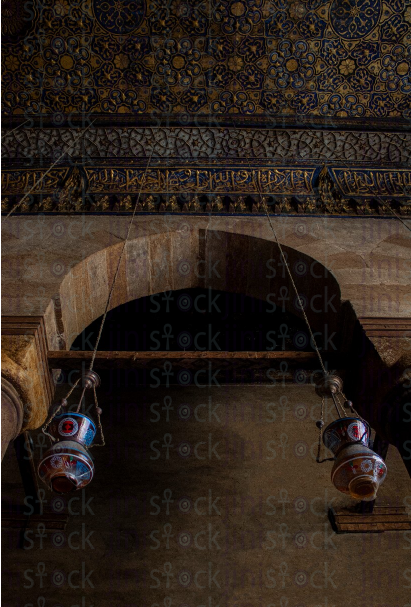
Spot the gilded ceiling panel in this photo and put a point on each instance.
(340, 59)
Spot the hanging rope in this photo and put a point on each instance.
(48, 170)
(264, 203)
(100, 427)
(15, 129)
(118, 264)
(337, 405)
(351, 406)
(387, 206)
(320, 426)
(314, 343)
(63, 403)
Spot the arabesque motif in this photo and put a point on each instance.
(338, 59)
(210, 143)
(353, 19)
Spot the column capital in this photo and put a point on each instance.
(25, 367)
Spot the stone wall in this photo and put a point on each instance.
(209, 497)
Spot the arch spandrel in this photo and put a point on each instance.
(375, 285)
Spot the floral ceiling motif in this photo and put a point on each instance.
(278, 58)
(354, 19)
(120, 16)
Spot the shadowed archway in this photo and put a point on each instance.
(234, 263)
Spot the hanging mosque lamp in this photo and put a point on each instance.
(357, 471)
(67, 465)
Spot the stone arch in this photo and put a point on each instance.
(234, 261)
(216, 259)
(65, 266)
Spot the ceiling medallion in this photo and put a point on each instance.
(354, 19)
(119, 16)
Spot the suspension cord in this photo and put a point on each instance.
(63, 403)
(337, 405)
(387, 206)
(100, 427)
(264, 203)
(352, 408)
(320, 430)
(49, 169)
(16, 128)
(119, 262)
(314, 343)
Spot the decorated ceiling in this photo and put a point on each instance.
(339, 59)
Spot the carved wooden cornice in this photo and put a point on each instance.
(281, 191)
(124, 204)
(278, 145)
(207, 169)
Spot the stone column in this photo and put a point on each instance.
(11, 414)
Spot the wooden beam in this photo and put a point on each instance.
(120, 359)
(188, 367)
